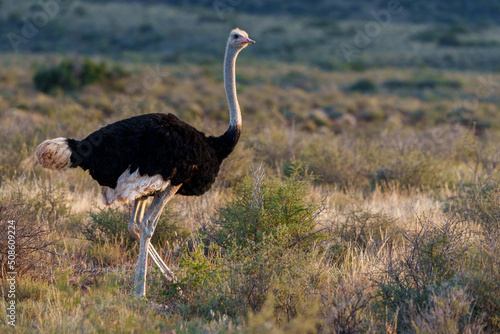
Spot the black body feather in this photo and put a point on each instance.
(155, 144)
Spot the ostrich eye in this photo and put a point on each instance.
(236, 36)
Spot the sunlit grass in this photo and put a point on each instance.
(386, 167)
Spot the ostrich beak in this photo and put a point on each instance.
(246, 40)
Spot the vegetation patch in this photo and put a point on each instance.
(69, 75)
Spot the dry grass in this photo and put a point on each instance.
(384, 176)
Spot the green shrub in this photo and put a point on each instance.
(338, 162)
(264, 208)
(108, 254)
(59, 77)
(107, 225)
(355, 66)
(260, 243)
(413, 168)
(69, 75)
(433, 83)
(426, 83)
(351, 162)
(92, 72)
(110, 225)
(299, 79)
(217, 283)
(363, 86)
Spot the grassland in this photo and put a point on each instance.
(362, 196)
(403, 202)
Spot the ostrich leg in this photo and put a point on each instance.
(133, 228)
(147, 228)
(137, 214)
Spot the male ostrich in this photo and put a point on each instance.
(152, 155)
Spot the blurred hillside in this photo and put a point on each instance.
(479, 12)
(459, 35)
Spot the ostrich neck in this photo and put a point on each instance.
(230, 86)
(226, 143)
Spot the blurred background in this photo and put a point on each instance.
(417, 34)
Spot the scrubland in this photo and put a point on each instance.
(354, 202)
(362, 196)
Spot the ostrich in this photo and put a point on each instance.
(152, 155)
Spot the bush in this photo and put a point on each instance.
(425, 83)
(337, 162)
(92, 72)
(351, 162)
(430, 259)
(362, 228)
(413, 168)
(482, 282)
(110, 225)
(298, 79)
(260, 244)
(449, 311)
(348, 308)
(69, 76)
(38, 210)
(218, 283)
(109, 253)
(477, 205)
(363, 86)
(21, 233)
(60, 77)
(265, 209)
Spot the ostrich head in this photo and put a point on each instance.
(238, 39)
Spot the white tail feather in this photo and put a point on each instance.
(54, 154)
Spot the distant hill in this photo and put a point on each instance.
(331, 35)
(416, 11)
